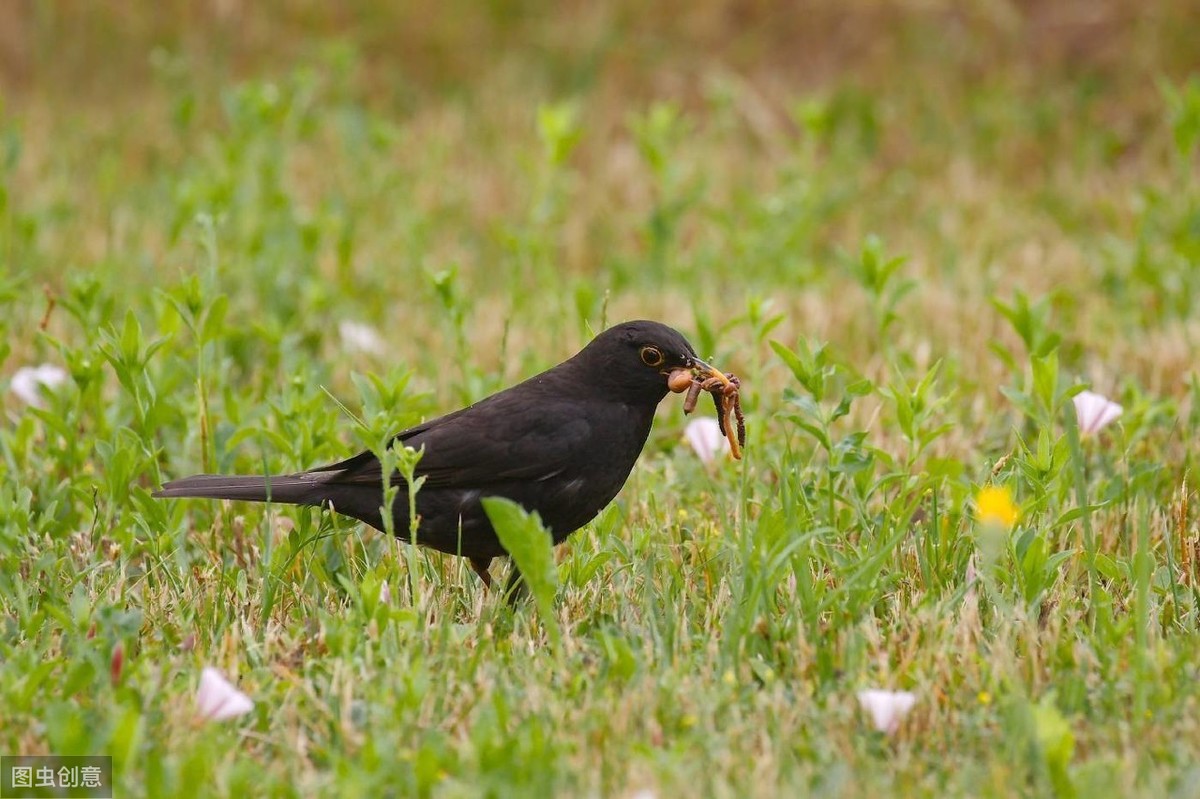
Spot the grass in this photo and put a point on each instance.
(914, 232)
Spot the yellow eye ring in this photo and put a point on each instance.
(652, 356)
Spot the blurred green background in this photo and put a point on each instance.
(742, 148)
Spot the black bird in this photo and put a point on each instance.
(562, 443)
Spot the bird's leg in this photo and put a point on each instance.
(480, 565)
(514, 587)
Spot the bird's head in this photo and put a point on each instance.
(637, 359)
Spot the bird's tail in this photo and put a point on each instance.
(291, 489)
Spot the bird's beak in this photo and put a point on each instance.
(707, 370)
(680, 378)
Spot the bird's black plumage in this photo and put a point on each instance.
(561, 443)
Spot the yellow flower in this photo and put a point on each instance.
(995, 506)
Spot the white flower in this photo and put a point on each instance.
(28, 381)
(358, 337)
(1095, 412)
(217, 699)
(385, 594)
(704, 435)
(887, 708)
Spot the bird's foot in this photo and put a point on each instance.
(480, 565)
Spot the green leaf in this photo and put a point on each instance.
(1057, 744)
(532, 549)
(816, 432)
(214, 319)
(791, 359)
(1045, 377)
(131, 338)
(559, 129)
(1108, 567)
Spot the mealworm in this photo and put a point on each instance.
(689, 402)
(725, 391)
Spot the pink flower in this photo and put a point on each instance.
(385, 594)
(704, 436)
(887, 708)
(217, 699)
(1095, 412)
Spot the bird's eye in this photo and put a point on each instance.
(652, 356)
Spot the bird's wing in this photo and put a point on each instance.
(496, 440)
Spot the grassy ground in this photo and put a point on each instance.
(913, 229)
